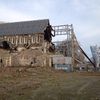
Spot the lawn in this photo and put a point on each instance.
(48, 84)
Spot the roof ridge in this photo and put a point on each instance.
(24, 27)
(24, 21)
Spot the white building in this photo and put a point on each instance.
(96, 55)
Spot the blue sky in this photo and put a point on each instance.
(83, 14)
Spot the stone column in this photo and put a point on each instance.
(11, 39)
(45, 47)
(19, 39)
(45, 62)
(16, 40)
(32, 39)
(50, 61)
(5, 38)
(35, 38)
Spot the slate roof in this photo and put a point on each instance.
(25, 27)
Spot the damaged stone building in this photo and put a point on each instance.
(28, 44)
(26, 38)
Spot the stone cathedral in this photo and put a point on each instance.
(23, 43)
(25, 34)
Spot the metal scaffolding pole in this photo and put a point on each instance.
(69, 46)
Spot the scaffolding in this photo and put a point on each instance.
(69, 47)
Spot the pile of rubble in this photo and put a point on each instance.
(27, 57)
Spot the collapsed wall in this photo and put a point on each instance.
(5, 58)
(28, 57)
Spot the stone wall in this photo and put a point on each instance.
(5, 58)
(22, 39)
(37, 55)
(28, 57)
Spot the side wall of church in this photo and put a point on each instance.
(22, 39)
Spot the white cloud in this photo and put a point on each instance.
(7, 14)
(84, 14)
